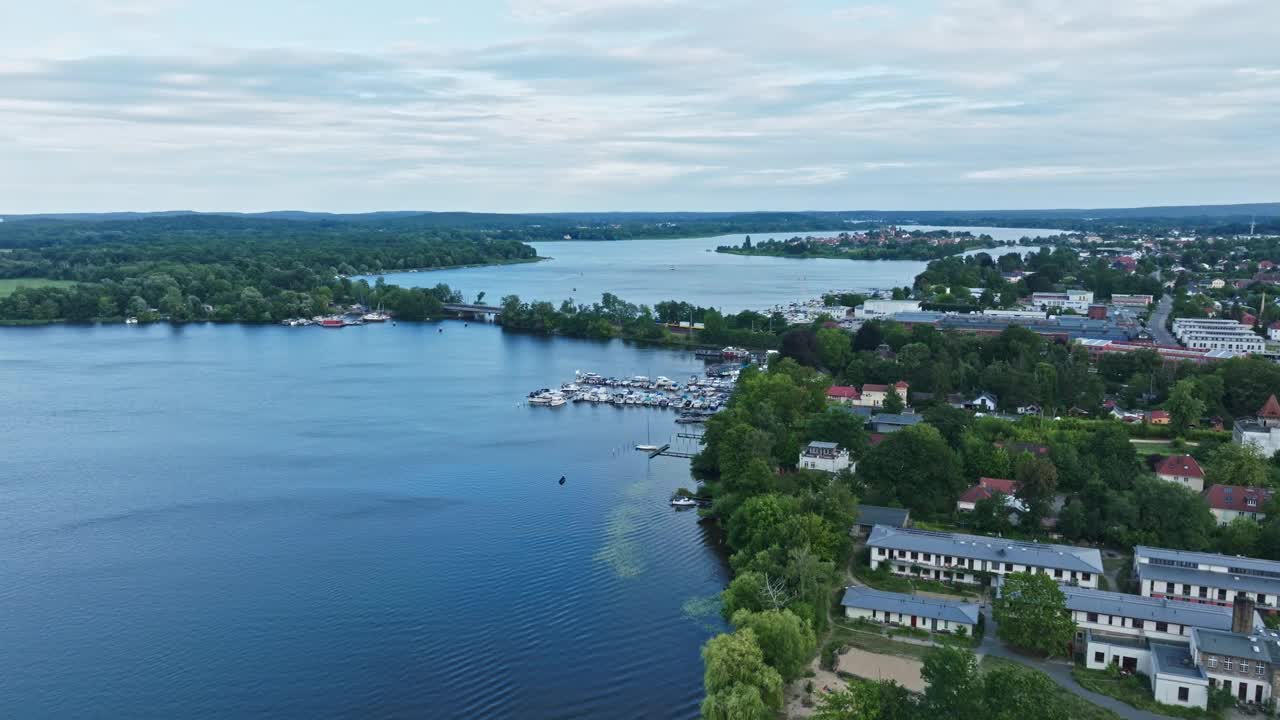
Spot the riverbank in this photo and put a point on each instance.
(868, 254)
(472, 266)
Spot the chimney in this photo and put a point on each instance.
(1242, 614)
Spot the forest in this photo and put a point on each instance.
(224, 269)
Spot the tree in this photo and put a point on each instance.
(737, 702)
(786, 641)
(866, 700)
(1239, 537)
(736, 659)
(1038, 481)
(1232, 464)
(745, 592)
(954, 688)
(1184, 405)
(991, 515)
(833, 349)
(893, 402)
(913, 468)
(950, 421)
(1017, 693)
(1031, 613)
(837, 426)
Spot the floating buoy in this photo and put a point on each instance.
(561, 479)
(441, 329)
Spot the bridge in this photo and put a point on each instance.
(488, 313)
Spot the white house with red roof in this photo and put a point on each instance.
(1273, 330)
(986, 489)
(1181, 470)
(869, 395)
(1228, 502)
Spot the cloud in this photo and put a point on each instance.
(683, 104)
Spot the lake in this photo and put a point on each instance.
(227, 522)
(650, 271)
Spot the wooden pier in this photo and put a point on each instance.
(666, 451)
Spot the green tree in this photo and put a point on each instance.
(893, 401)
(1184, 405)
(1241, 536)
(833, 348)
(787, 641)
(913, 468)
(1038, 481)
(1031, 613)
(745, 593)
(736, 702)
(1016, 693)
(1232, 464)
(866, 700)
(736, 659)
(954, 688)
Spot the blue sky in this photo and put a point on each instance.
(549, 105)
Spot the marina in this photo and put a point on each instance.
(696, 399)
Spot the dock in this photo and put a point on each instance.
(666, 451)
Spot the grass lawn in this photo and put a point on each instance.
(902, 584)
(1135, 690)
(872, 641)
(1077, 708)
(8, 285)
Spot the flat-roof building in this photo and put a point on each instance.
(926, 613)
(1207, 578)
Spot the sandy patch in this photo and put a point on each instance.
(795, 694)
(874, 666)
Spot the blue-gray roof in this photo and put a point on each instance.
(869, 515)
(896, 419)
(1236, 563)
(1208, 578)
(1175, 659)
(1264, 646)
(1176, 612)
(1062, 557)
(865, 598)
(824, 445)
(859, 410)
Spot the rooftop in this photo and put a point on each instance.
(1237, 497)
(1176, 660)
(1231, 563)
(1183, 465)
(1213, 617)
(820, 445)
(897, 419)
(1260, 646)
(1208, 578)
(858, 596)
(869, 515)
(1063, 557)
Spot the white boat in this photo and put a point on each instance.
(683, 502)
(556, 401)
(647, 448)
(131, 321)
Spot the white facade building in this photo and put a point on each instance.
(1206, 577)
(1074, 299)
(920, 612)
(959, 558)
(825, 456)
(882, 308)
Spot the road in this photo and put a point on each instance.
(1158, 318)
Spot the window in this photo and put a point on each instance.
(1222, 594)
(926, 557)
(1244, 666)
(1184, 694)
(1204, 592)
(1213, 661)
(1085, 577)
(1092, 617)
(1008, 567)
(1262, 670)
(1099, 657)
(1162, 627)
(1057, 573)
(1262, 599)
(1228, 664)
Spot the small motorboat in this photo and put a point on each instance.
(683, 502)
(646, 448)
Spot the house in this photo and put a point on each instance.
(1031, 409)
(1249, 319)
(891, 422)
(960, 558)
(871, 515)
(1181, 470)
(1157, 638)
(827, 457)
(873, 395)
(1262, 430)
(984, 402)
(921, 612)
(1241, 662)
(988, 488)
(1228, 502)
(1158, 417)
(1074, 299)
(843, 394)
(1205, 577)
(1273, 331)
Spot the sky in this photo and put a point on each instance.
(594, 105)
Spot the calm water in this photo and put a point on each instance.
(229, 522)
(650, 271)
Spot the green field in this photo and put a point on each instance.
(8, 285)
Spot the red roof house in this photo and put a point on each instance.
(1159, 417)
(1228, 502)
(984, 490)
(1182, 470)
(843, 393)
(1270, 409)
